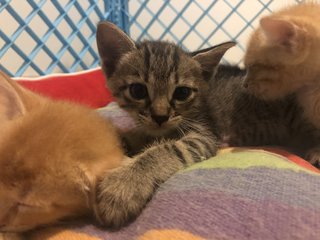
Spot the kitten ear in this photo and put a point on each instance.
(278, 31)
(209, 58)
(112, 44)
(11, 104)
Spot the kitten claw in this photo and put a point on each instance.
(121, 196)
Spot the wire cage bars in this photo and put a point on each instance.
(38, 37)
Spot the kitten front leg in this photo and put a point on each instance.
(123, 193)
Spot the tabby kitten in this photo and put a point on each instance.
(183, 114)
(162, 87)
(283, 57)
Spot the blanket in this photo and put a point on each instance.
(242, 193)
(85, 87)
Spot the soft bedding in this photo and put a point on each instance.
(242, 193)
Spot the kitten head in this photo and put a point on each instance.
(157, 82)
(276, 57)
(51, 154)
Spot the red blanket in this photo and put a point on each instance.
(85, 87)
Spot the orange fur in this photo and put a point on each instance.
(51, 156)
(283, 57)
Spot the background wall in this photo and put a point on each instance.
(192, 24)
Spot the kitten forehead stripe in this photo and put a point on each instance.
(146, 63)
(176, 61)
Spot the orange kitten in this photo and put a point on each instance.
(51, 155)
(283, 57)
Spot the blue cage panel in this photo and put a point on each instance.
(45, 36)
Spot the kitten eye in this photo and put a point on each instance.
(138, 91)
(181, 93)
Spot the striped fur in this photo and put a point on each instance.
(217, 109)
(124, 193)
(246, 120)
(171, 147)
(185, 138)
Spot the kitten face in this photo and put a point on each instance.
(157, 82)
(51, 156)
(30, 202)
(159, 85)
(274, 59)
(266, 81)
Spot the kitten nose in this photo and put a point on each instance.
(160, 119)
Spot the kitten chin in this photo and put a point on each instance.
(154, 130)
(158, 131)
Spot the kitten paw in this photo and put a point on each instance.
(313, 156)
(121, 196)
